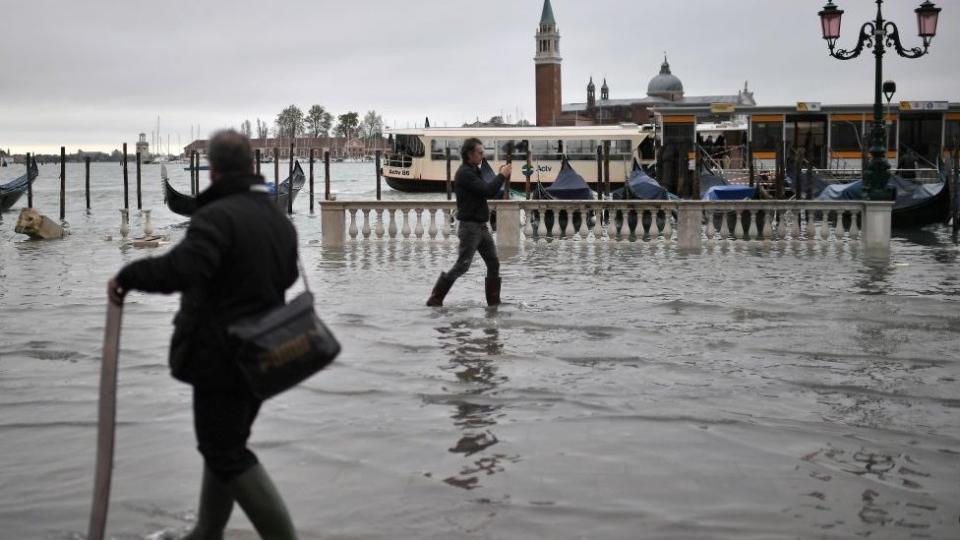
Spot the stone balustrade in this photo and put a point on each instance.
(685, 224)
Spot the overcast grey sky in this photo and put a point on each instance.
(91, 74)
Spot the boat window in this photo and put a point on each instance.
(767, 136)
(581, 149)
(409, 145)
(519, 149)
(847, 136)
(621, 148)
(808, 132)
(547, 150)
(678, 134)
(438, 149)
(648, 149)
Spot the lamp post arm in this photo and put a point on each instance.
(893, 41)
(867, 32)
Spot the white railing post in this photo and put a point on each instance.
(508, 225)
(688, 227)
(877, 217)
(332, 221)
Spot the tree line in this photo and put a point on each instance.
(316, 122)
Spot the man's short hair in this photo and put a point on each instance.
(469, 145)
(230, 153)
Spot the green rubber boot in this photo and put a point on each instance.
(261, 502)
(216, 504)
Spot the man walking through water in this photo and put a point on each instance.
(237, 259)
(473, 214)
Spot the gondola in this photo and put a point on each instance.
(11, 192)
(641, 187)
(186, 205)
(569, 186)
(916, 205)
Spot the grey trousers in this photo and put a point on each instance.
(475, 237)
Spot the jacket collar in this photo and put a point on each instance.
(227, 185)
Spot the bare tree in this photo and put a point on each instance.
(246, 129)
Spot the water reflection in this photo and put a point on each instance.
(473, 347)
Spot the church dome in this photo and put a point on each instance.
(666, 84)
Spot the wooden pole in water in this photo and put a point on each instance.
(86, 162)
(257, 170)
(29, 184)
(377, 158)
(798, 182)
(326, 174)
(193, 186)
(290, 189)
(139, 192)
(606, 168)
(681, 171)
(276, 175)
(753, 181)
(809, 183)
(955, 196)
(506, 182)
(526, 183)
(658, 157)
(311, 180)
(778, 175)
(63, 183)
(449, 186)
(126, 180)
(599, 172)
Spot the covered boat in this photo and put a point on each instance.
(569, 186)
(641, 186)
(11, 192)
(186, 205)
(916, 204)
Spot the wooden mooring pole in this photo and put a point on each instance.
(955, 196)
(257, 170)
(29, 184)
(599, 172)
(778, 178)
(752, 172)
(606, 169)
(276, 175)
(526, 183)
(326, 174)
(86, 164)
(126, 180)
(193, 173)
(139, 188)
(311, 180)
(377, 163)
(449, 186)
(290, 189)
(63, 183)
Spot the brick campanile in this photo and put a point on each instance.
(547, 63)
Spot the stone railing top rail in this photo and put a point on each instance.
(693, 205)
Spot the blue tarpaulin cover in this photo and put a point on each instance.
(569, 185)
(643, 186)
(708, 181)
(730, 193)
(908, 193)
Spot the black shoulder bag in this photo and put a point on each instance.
(281, 348)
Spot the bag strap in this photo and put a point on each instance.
(303, 274)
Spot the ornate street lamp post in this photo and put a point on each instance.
(879, 34)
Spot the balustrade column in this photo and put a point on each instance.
(688, 227)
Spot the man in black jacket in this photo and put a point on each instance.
(473, 215)
(237, 260)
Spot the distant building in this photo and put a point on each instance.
(664, 89)
(339, 147)
(143, 147)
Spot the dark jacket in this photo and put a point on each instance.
(473, 192)
(238, 258)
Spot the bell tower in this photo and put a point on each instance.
(547, 63)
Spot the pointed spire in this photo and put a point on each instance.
(547, 16)
(665, 67)
(590, 84)
(604, 83)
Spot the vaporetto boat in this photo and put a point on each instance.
(418, 160)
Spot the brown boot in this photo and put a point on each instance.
(493, 291)
(440, 291)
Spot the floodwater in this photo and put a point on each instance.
(621, 391)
